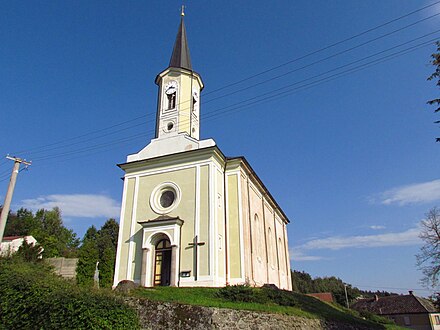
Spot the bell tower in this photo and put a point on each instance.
(178, 106)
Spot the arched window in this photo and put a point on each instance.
(171, 100)
(257, 236)
(163, 244)
(270, 245)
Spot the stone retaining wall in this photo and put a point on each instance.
(162, 315)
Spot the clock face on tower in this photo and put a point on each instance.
(171, 87)
(171, 94)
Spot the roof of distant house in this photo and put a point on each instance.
(399, 304)
(323, 296)
(11, 238)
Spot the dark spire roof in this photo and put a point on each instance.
(180, 57)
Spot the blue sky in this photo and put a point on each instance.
(343, 138)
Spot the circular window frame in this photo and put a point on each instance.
(167, 123)
(157, 193)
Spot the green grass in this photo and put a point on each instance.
(257, 299)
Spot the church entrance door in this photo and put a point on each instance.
(162, 263)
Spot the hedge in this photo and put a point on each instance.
(32, 297)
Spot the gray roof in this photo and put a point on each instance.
(402, 304)
(180, 57)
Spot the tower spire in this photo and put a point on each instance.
(180, 57)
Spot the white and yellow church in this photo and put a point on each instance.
(190, 215)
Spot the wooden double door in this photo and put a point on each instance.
(162, 263)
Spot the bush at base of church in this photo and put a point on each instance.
(32, 297)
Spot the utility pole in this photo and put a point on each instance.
(346, 295)
(10, 192)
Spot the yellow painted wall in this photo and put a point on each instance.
(246, 230)
(185, 104)
(233, 228)
(220, 243)
(260, 264)
(185, 179)
(126, 229)
(204, 221)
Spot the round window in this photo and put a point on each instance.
(165, 197)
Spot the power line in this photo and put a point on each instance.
(325, 59)
(80, 142)
(216, 113)
(284, 93)
(5, 171)
(85, 134)
(94, 147)
(324, 48)
(263, 72)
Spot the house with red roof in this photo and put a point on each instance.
(11, 244)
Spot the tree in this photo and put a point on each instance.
(88, 255)
(98, 245)
(20, 223)
(302, 282)
(428, 260)
(107, 244)
(29, 252)
(436, 76)
(57, 240)
(107, 267)
(48, 229)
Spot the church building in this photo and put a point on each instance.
(190, 215)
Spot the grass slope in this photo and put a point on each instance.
(262, 300)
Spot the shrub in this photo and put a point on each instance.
(375, 318)
(245, 293)
(31, 297)
(241, 293)
(280, 297)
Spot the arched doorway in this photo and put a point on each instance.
(162, 262)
